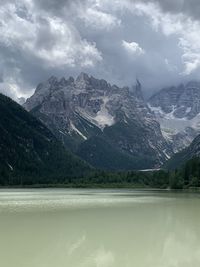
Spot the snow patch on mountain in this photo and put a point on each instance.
(103, 117)
(177, 109)
(73, 127)
(85, 106)
(188, 109)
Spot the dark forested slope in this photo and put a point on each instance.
(29, 152)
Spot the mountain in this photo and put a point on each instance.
(179, 159)
(108, 126)
(21, 100)
(178, 111)
(29, 152)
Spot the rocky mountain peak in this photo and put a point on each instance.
(83, 81)
(193, 84)
(63, 81)
(53, 80)
(66, 82)
(21, 100)
(71, 79)
(177, 108)
(137, 90)
(78, 111)
(82, 77)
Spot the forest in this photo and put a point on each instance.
(186, 177)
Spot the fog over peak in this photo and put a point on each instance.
(157, 42)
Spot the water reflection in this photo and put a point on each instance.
(89, 228)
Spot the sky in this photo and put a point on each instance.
(155, 41)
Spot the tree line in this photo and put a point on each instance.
(185, 177)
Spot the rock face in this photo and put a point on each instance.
(21, 101)
(108, 126)
(179, 159)
(178, 111)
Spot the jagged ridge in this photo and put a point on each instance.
(178, 111)
(79, 110)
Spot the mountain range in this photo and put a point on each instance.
(177, 109)
(107, 126)
(70, 125)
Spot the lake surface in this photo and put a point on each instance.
(99, 228)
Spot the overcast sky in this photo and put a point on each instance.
(157, 42)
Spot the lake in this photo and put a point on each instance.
(99, 228)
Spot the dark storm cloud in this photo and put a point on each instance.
(188, 7)
(155, 41)
(123, 67)
(37, 41)
(61, 8)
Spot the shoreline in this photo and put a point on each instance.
(97, 186)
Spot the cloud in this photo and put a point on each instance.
(97, 19)
(190, 8)
(45, 39)
(111, 39)
(66, 48)
(133, 48)
(170, 67)
(184, 28)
